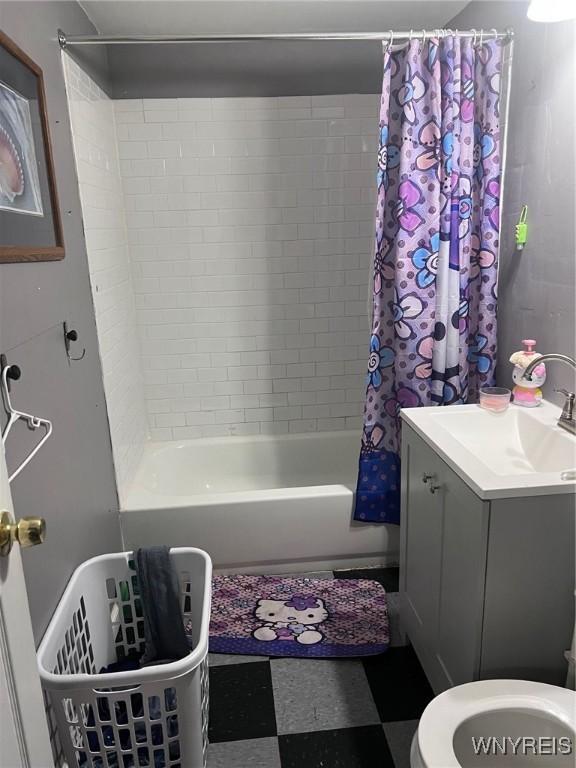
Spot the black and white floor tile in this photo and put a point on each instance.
(318, 713)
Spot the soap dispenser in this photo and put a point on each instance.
(527, 393)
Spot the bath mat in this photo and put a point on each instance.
(278, 616)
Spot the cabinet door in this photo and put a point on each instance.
(421, 544)
(529, 607)
(442, 565)
(462, 579)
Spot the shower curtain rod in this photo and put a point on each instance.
(391, 36)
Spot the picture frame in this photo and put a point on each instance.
(30, 223)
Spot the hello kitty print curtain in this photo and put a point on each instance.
(433, 338)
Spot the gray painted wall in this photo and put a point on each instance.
(537, 290)
(71, 480)
(244, 69)
(280, 68)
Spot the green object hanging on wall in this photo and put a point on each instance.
(522, 229)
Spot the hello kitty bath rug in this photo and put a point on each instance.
(277, 616)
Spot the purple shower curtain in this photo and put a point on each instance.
(433, 336)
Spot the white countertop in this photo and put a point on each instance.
(519, 452)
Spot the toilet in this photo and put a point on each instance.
(492, 723)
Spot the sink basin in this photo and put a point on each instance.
(510, 443)
(520, 451)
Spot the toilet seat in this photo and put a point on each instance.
(445, 713)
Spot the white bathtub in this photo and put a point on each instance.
(257, 504)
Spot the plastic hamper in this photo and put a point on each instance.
(156, 716)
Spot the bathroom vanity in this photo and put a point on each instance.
(487, 542)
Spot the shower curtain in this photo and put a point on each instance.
(433, 338)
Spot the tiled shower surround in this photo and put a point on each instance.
(96, 154)
(250, 225)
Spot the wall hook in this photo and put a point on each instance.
(71, 335)
(13, 372)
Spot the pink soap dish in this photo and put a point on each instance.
(495, 398)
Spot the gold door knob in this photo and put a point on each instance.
(28, 532)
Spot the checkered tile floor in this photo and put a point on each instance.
(318, 713)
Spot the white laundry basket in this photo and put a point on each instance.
(155, 717)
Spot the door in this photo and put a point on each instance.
(421, 542)
(464, 546)
(24, 741)
(443, 562)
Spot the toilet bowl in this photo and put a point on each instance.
(493, 723)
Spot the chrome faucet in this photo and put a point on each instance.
(566, 420)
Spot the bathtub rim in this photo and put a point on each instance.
(290, 437)
(142, 498)
(333, 490)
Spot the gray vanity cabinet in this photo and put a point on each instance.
(486, 585)
(421, 566)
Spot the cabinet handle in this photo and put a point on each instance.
(426, 477)
(434, 488)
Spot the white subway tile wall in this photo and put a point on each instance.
(250, 224)
(95, 150)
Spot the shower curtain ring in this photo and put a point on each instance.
(422, 41)
(474, 37)
(481, 36)
(391, 39)
(410, 35)
(495, 33)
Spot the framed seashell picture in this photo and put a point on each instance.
(30, 225)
